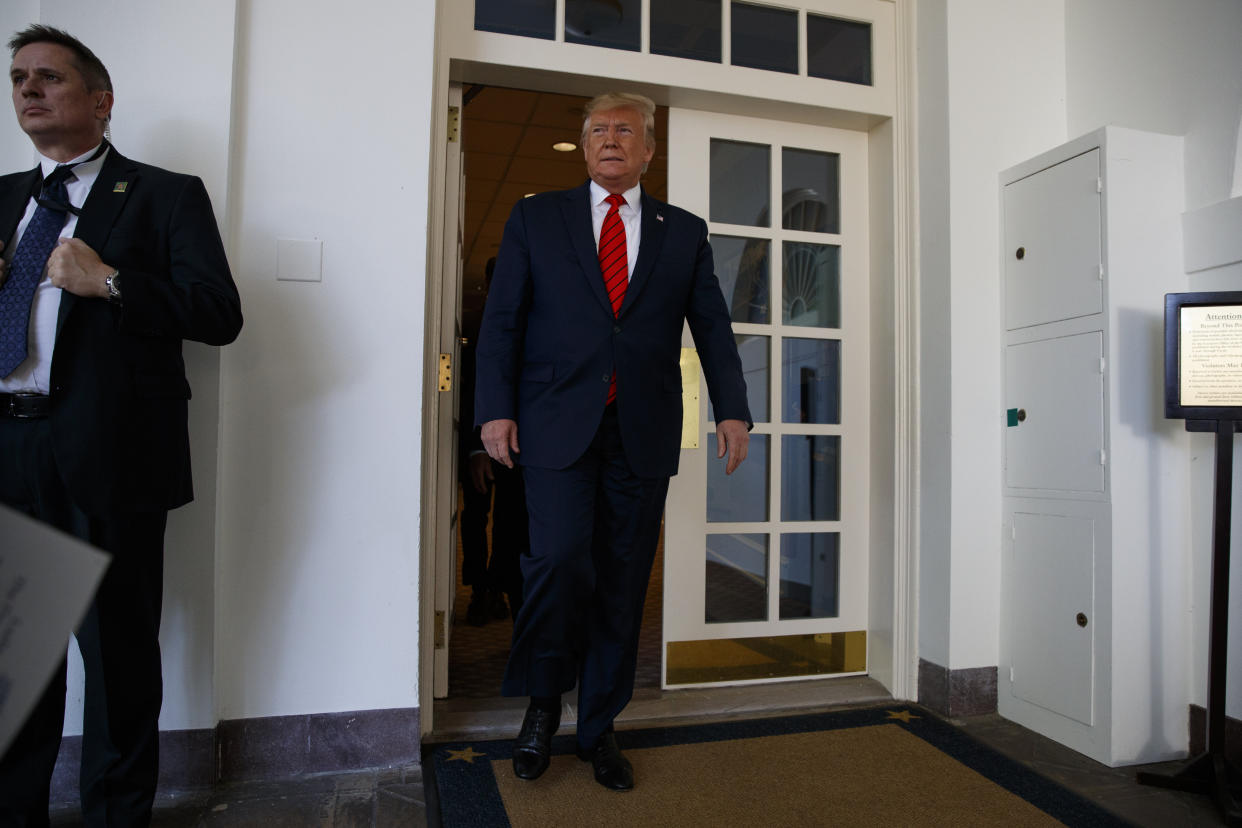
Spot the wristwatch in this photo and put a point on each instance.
(114, 286)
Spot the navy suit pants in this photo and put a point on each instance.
(594, 528)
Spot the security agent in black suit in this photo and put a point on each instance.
(93, 431)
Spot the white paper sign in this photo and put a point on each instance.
(47, 580)
(1211, 356)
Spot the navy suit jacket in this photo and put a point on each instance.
(118, 386)
(549, 340)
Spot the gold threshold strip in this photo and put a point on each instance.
(779, 656)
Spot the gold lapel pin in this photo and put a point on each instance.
(120, 186)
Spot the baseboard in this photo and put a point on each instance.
(966, 692)
(187, 762)
(1198, 735)
(273, 747)
(276, 747)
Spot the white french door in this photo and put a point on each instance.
(766, 570)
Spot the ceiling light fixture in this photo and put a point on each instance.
(564, 146)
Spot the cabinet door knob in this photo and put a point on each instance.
(1081, 619)
(1020, 253)
(1022, 415)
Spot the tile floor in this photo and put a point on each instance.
(395, 797)
(381, 798)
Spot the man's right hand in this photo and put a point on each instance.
(500, 438)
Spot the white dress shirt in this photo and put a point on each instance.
(631, 216)
(35, 372)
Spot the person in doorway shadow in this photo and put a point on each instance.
(487, 487)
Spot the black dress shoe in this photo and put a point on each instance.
(612, 770)
(533, 746)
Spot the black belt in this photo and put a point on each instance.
(25, 406)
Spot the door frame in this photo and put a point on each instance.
(893, 178)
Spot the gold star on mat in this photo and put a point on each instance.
(902, 715)
(467, 755)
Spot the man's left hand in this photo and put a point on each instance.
(733, 437)
(75, 267)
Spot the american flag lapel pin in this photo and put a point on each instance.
(659, 217)
(120, 186)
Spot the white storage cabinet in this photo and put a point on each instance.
(1094, 615)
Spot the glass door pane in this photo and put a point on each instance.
(811, 380)
(772, 559)
(810, 196)
(737, 578)
(811, 285)
(740, 176)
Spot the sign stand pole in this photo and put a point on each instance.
(1211, 772)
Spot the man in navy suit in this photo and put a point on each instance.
(93, 402)
(579, 358)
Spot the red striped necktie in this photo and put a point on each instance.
(614, 265)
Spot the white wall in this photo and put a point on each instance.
(292, 580)
(317, 576)
(1006, 103)
(1174, 68)
(1003, 99)
(15, 149)
(935, 409)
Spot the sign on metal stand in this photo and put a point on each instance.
(1203, 386)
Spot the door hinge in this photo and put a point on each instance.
(454, 124)
(1103, 458)
(1103, 364)
(446, 372)
(439, 630)
(1011, 675)
(1099, 185)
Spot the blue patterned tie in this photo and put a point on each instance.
(26, 268)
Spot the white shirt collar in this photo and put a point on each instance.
(632, 196)
(82, 169)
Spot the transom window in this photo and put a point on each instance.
(732, 32)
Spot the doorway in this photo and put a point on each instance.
(879, 109)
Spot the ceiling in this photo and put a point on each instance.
(507, 138)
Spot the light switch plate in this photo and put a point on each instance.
(299, 260)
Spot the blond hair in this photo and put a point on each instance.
(609, 101)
